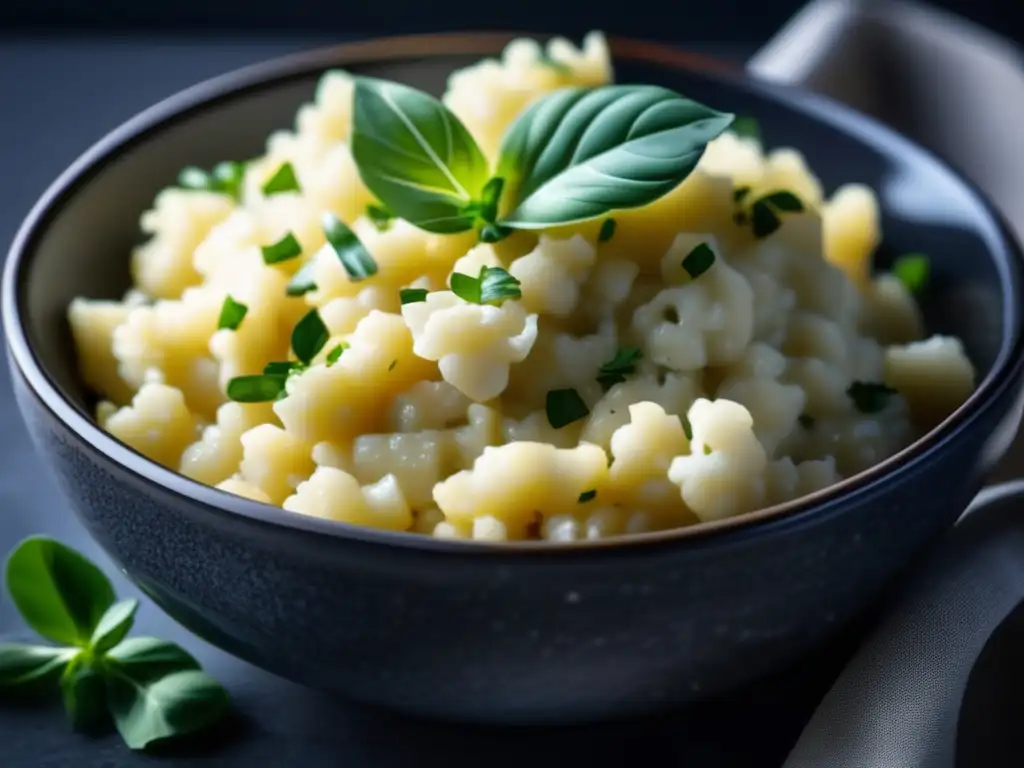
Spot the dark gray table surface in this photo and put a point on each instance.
(60, 94)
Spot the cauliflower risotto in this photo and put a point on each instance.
(315, 330)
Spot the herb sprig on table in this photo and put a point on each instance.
(152, 689)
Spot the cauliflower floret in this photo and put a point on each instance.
(217, 454)
(724, 474)
(239, 487)
(607, 288)
(552, 273)
(417, 461)
(536, 428)
(92, 327)
(342, 315)
(335, 495)
(785, 481)
(328, 120)
(514, 482)
(157, 424)
(674, 394)
(934, 376)
(709, 321)
(474, 344)
(427, 405)
(890, 313)
(482, 430)
(274, 461)
(852, 231)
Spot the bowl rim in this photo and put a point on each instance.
(215, 91)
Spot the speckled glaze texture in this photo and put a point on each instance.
(509, 634)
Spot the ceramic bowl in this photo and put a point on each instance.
(509, 633)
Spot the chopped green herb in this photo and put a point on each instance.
(282, 368)
(309, 336)
(302, 281)
(335, 354)
(393, 364)
(260, 388)
(231, 314)
(352, 254)
(283, 180)
(494, 233)
(225, 178)
(490, 198)
(564, 406)
(764, 219)
(587, 496)
(615, 370)
(707, 450)
(699, 260)
(746, 128)
(379, 216)
(869, 397)
(687, 427)
(740, 193)
(807, 422)
(739, 218)
(913, 270)
(607, 230)
(493, 286)
(413, 295)
(283, 250)
(784, 201)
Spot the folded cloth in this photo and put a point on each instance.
(897, 703)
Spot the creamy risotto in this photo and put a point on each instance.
(723, 347)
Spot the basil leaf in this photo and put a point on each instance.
(497, 285)
(490, 199)
(413, 295)
(564, 406)
(351, 252)
(607, 231)
(869, 397)
(302, 281)
(174, 705)
(231, 314)
(913, 270)
(335, 354)
(587, 496)
(309, 336)
(465, 287)
(285, 249)
(746, 128)
(379, 216)
(148, 658)
(32, 666)
(283, 180)
(784, 201)
(699, 260)
(494, 233)
(115, 624)
(415, 156)
(59, 593)
(579, 153)
(256, 389)
(764, 219)
(84, 694)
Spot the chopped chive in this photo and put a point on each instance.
(335, 354)
(231, 314)
(739, 193)
(764, 219)
(490, 197)
(607, 231)
(302, 281)
(707, 450)
(699, 260)
(869, 397)
(281, 368)
(687, 427)
(283, 250)
(564, 406)
(587, 496)
(614, 371)
(913, 270)
(256, 389)
(413, 295)
(283, 180)
(746, 128)
(379, 216)
(784, 201)
(309, 336)
(807, 422)
(352, 254)
(225, 178)
(393, 364)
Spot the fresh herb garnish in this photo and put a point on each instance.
(492, 286)
(687, 427)
(379, 216)
(564, 406)
(257, 388)
(699, 260)
(282, 368)
(807, 422)
(351, 252)
(746, 128)
(739, 194)
(309, 336)
(764, 214)
(283, 180)
(231, 314)
(151, 688)
(587, 496)
(559, 160)
(283, 250)
(607, 231)
(413, 295)
(913, 270)
(869, 397)
(302, 281)
(392, 366)
(707, 449)
(225, 178)
(335, 354)
(615, 370)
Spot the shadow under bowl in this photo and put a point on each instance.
(512, 633)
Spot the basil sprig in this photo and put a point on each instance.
(152, 689)
(574, 155)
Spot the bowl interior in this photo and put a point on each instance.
(82, 247)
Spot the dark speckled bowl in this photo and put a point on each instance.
(512, 632)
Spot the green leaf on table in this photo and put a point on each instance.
(114, 626)
(149, 658)
(59, 593)
(579, 153)
(84, 694)
(353, 255)
(32, 666)
(309, 336)
(416, 156)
